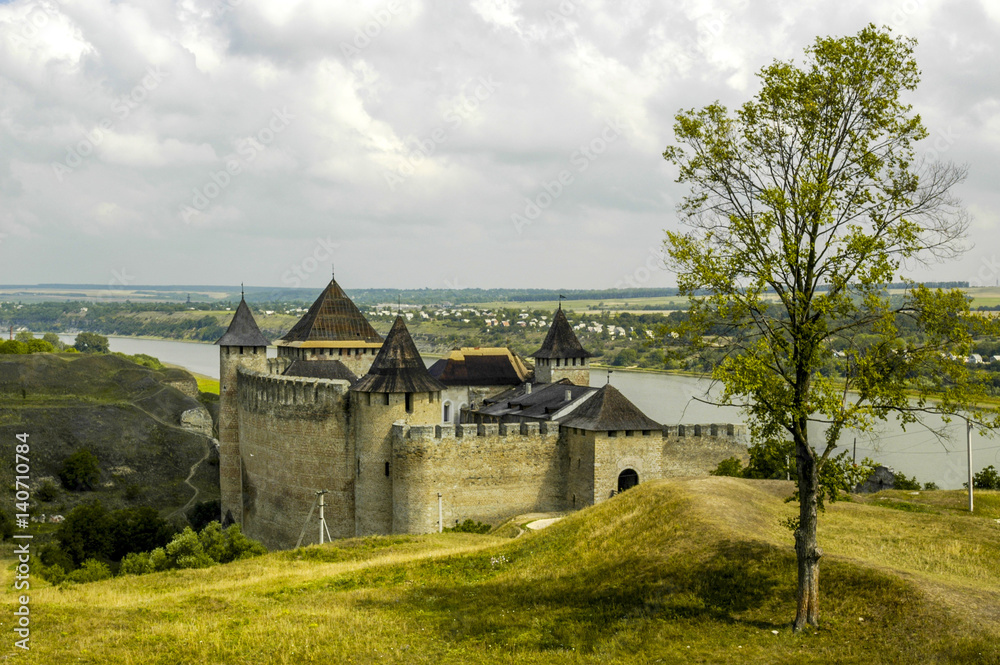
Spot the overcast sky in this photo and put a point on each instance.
(416, 144)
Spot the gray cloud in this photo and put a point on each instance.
(218, 142)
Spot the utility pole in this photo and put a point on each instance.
(855, 460)
(440, 515)
(968, 430)
(322, 517)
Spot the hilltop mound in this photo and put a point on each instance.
(694, 570)
(146, 432)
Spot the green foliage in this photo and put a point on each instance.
(470, 526)
(54, 340)
(40, 346)
(931, 486)
(24, 336)
(91, 343)
(239, 546)
(92, 570)
(137, 563)
(142, 359)
(12, 346)
(138, 529)
(626, 358)
(6, 525)
(901, 482)
(771, 460)
(47, 491)
(204, 512)
(186, 551)
(732, 467)
(987, 479)
(80, 471)
(159, 560)
(86, 533)
(213, 541)
(54, 574)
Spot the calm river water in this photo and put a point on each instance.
(672, 400)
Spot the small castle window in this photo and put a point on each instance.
(386, 469)
(447, 412)
(646, 432)
(612, 434)
(385, 399)
(409, 402)
(629, 432)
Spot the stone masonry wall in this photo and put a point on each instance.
(695, 450)
(484, 472)
(373, 421)
(294, 441)
(230, 360)
(580, 482)
(625, 450)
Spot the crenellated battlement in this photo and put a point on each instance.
(714, 430)
(259, 390)
(547, 431)
(278, 365)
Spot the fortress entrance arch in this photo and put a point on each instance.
(626, 479)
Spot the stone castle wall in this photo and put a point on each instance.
(374, 415)
(293, 442)
(231, 358)
(486, 472)
(696, 450)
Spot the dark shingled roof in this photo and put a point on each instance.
(333, 318)
(321, 369)
(472, 369)
(544, 402)
(243, 330)
(398, 367)
(561, 342)
(610, 410)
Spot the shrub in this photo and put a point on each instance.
(40, 346)
(80, 471)
(47, 491)
(987, 479)
(159, 560)
(729, 467)
(138, 530)
(213, 542)
(185, 551)
(901, 482)
(53, 574)
(86, 533)
(12, 346)
(6, 525)
(239, 546)
(204, 513)
(470, 526)
(54, 340)
(92, 570)
(137, 563)
(931, 486)
(91, 343)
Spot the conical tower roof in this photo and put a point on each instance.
(333, 318)
(609, 410)
(243, 330)
(398, 367)
(561, 342)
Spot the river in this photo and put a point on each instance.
(672, 399)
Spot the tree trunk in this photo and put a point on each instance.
(806, 551)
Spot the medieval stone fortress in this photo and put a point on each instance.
(402, 448)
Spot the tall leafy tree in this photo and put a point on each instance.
(803, 204)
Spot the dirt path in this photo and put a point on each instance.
(187, 481)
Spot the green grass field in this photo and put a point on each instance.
(682, 571)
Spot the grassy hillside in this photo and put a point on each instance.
(127, 415)
(686, 571)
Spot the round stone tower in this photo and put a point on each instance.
(562, 356)
(243, 345)
(397, 388)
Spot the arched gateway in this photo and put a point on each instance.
(626, 479)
